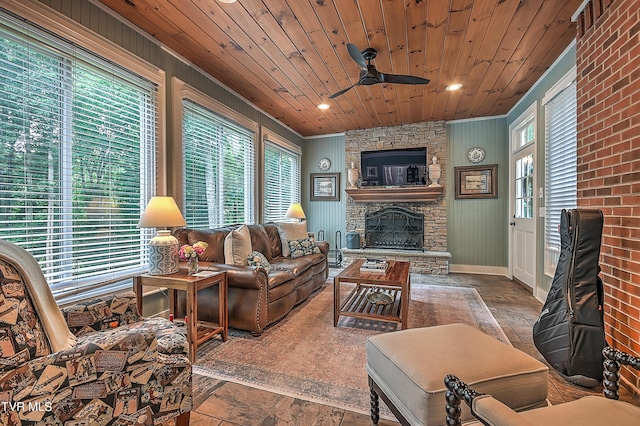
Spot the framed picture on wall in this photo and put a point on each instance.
(325, 186)
(476, 181)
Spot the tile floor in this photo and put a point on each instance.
(516, 310)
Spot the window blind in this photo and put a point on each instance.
(218, 169)
(281, 181)
(561, 161)
(77, 159)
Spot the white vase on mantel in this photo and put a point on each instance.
(434, 172)
(353, 175)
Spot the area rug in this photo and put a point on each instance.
(306, 357)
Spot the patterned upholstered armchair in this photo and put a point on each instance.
(109, 366)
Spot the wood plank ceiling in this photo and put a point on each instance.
(288, 56)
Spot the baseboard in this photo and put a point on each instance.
(541, 294)
(478, 269)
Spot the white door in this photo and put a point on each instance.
(524, 226)
(523, 200)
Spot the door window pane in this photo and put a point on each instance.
(524, 187)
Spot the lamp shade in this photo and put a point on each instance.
(295, 212)
(161, 212)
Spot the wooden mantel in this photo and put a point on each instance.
(407, 194)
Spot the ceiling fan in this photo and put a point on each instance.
(370, 75)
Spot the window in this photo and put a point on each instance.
(526, 134)
(77, 159)
(281, 179)
(561, 162)
(524, 187)
(218, 168)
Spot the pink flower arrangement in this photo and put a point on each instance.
(186, 250)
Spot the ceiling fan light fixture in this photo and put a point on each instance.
(370, 75)
(456, 86)
(324, 106)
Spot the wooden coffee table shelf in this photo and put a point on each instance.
(357, 304)
(395, 281)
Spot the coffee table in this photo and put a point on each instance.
(395, 281)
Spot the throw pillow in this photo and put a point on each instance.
(291, 231)
(258, 259)
(303, 247)
(237, 246)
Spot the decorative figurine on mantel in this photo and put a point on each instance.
(353, 175)
(434, 172)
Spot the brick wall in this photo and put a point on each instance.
(608, 84)
(433, 135)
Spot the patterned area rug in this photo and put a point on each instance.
(306, 357)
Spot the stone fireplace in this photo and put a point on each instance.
(431, 255)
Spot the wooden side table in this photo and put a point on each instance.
(197, 331)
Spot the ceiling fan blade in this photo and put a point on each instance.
(402, 79)
(357, 55)
(342, 91)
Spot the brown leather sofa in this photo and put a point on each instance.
(256, 299)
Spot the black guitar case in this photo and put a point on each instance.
(570, 330)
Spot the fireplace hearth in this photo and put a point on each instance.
(394, 228)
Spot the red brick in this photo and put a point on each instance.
(623, 253)
(628, 135)
(631, 177)
(618, 190)
(619, 213)
(631, 221)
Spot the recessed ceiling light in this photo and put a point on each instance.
(454, 87)
(324, 106)
(227, 1)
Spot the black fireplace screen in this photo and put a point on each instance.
(394, 228)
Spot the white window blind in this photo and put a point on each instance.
(218, 169)
(561, 166)
(77, 159)
(281, 181)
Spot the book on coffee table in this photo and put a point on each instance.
(374, 265)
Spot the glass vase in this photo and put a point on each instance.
(192, 265)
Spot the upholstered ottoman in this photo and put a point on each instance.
(407, 368)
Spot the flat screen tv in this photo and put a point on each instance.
(394, 167)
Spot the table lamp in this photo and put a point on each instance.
(295, 212)
(162, 212)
